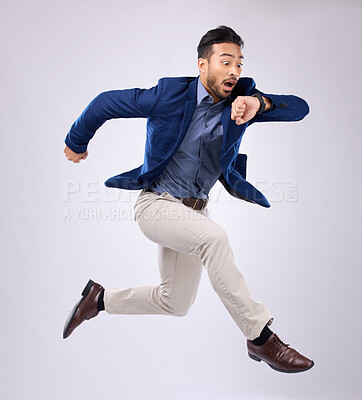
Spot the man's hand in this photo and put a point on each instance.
(244, 108)
(75, 157)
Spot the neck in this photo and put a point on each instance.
(214, 98)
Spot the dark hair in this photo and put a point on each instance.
(222, 34)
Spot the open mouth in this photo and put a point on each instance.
(229, 85)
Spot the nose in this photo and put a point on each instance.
(234, 71)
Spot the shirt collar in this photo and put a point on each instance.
(202, 94)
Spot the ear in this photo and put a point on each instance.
(202, 65)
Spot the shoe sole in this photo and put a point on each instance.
(258, 359)
(84, 293)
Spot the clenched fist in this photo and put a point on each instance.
(75, 157)
(244, 108)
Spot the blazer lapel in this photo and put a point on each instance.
(232, 132)
(186, 121)
(189, 110)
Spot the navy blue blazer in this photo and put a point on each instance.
(169, 107)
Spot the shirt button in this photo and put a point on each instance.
(207, 125)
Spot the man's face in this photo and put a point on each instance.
(220, 73)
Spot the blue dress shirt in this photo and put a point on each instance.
(195, 168)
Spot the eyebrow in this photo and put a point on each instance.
(230, 55)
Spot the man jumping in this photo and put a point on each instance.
(194, 129)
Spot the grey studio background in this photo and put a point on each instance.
(59, 226)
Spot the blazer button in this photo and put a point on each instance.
(283, 105)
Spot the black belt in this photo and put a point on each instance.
(195, 204)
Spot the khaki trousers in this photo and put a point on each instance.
(187, 241)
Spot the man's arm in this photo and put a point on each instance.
(284, 108)
(129, 103)
(244, 108)
(278, 107)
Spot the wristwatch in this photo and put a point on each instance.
(261, 100)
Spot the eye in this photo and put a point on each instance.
(240, 65)
(226, 62)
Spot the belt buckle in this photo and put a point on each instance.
(204, 202)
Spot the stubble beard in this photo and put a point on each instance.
(211, 83)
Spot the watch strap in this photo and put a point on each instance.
(261, 100)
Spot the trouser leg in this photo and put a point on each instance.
(180, 275)
(166, 221)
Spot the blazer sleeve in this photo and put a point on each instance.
(128, 103)
(285, 108)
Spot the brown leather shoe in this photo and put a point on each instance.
(86, 308)
(279, 355)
